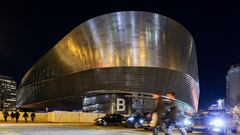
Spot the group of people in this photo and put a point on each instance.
(16, 116)
(166, 112)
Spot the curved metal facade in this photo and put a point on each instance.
(127, 51)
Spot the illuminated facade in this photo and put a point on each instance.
(8, 93)
(233, 86)
(114, 55)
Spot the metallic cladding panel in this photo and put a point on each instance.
(135, 79)
(121, 39)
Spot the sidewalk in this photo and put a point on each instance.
(48, 123)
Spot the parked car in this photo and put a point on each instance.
(186, 122)
(110, 119)
(182, 121)
(137, 120)
(201, 122)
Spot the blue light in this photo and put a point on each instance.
(216, 129)
(130, 118)
(187, 122)
(141, 121)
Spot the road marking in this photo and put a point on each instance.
(4, 130)
(7, 132)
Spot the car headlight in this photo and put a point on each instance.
(217, 123)
(141, 121)
(130, 119)
(216, 129)
(99, 119)
(187, 122)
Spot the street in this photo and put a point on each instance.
(69, 129)
(66, 129)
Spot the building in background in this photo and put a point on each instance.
(115, 63)
(233, 86)
(8, 93)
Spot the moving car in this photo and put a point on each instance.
(137, 120)
(110, 119)
(223, 124)
(215, 122)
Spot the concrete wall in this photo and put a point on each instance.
(64, 116)
(61, 116)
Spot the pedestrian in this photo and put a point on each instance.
(25, 115)
(167, 114)
(12, 115)
(17, 114)
(46, 109)
(32, 116)
(157, 115)
(5, 115)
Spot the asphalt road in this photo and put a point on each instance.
(68, 129)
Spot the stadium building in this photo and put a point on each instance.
(115, 63)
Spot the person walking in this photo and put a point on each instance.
(32, 116)
(5, 115)
(17, 114)
(25, 115)
(157, 115)
(167, 115)
(12, 115)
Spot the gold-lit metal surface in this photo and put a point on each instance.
(121, 39)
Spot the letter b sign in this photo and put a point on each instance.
(120, 104)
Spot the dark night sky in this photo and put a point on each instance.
(28, 30)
